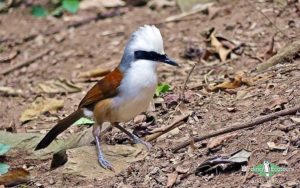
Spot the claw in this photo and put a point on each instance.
(137, 140)
(105, 164)
(102, 161)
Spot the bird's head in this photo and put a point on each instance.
(145, 44)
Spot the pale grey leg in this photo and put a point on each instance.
(103, 162)
(135, 138)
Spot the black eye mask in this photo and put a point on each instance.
(153, 56)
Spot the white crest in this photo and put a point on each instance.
(147, 38)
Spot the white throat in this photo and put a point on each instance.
(136, 90)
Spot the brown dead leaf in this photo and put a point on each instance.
(239, 80)
(218, 47)
(215, 142)
(221, 46)
(172, 178)
(15, 177)
(98, 72)
(59, 85)
(40, 106)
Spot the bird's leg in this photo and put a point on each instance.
(135, 138)
(103, 162)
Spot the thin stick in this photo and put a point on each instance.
(177, 122)
(186, 81)
(26, 62)
(182, 97)
(252, 123)
(185, 14)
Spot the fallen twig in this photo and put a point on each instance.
(200, 55)
(176, 123)
(252, 123)
(185, 14)
(26, 62)
(186, 81)
(289, 52)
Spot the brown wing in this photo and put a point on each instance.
(105, 88)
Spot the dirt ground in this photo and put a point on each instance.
(100, 44)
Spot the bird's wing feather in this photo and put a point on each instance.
(105, 88)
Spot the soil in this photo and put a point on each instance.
(83, 48)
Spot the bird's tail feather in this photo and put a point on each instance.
(59, 128)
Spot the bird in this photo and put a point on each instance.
(123, 93)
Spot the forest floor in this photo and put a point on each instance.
(100, 44)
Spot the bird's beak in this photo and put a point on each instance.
(169, 61)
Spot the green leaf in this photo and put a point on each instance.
(71, 5)
(162, 88)
(84, 121)
(4, 149)
(39, 11)
(3, 168)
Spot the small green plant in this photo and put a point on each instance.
(3, 150)
(162, 88)
(71, 6)
(39, 11)
(84, 121)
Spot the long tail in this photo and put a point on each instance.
(59, 128)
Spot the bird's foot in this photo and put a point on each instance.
(137, 140)
(104, 163)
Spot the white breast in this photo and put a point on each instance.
(136, 91)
